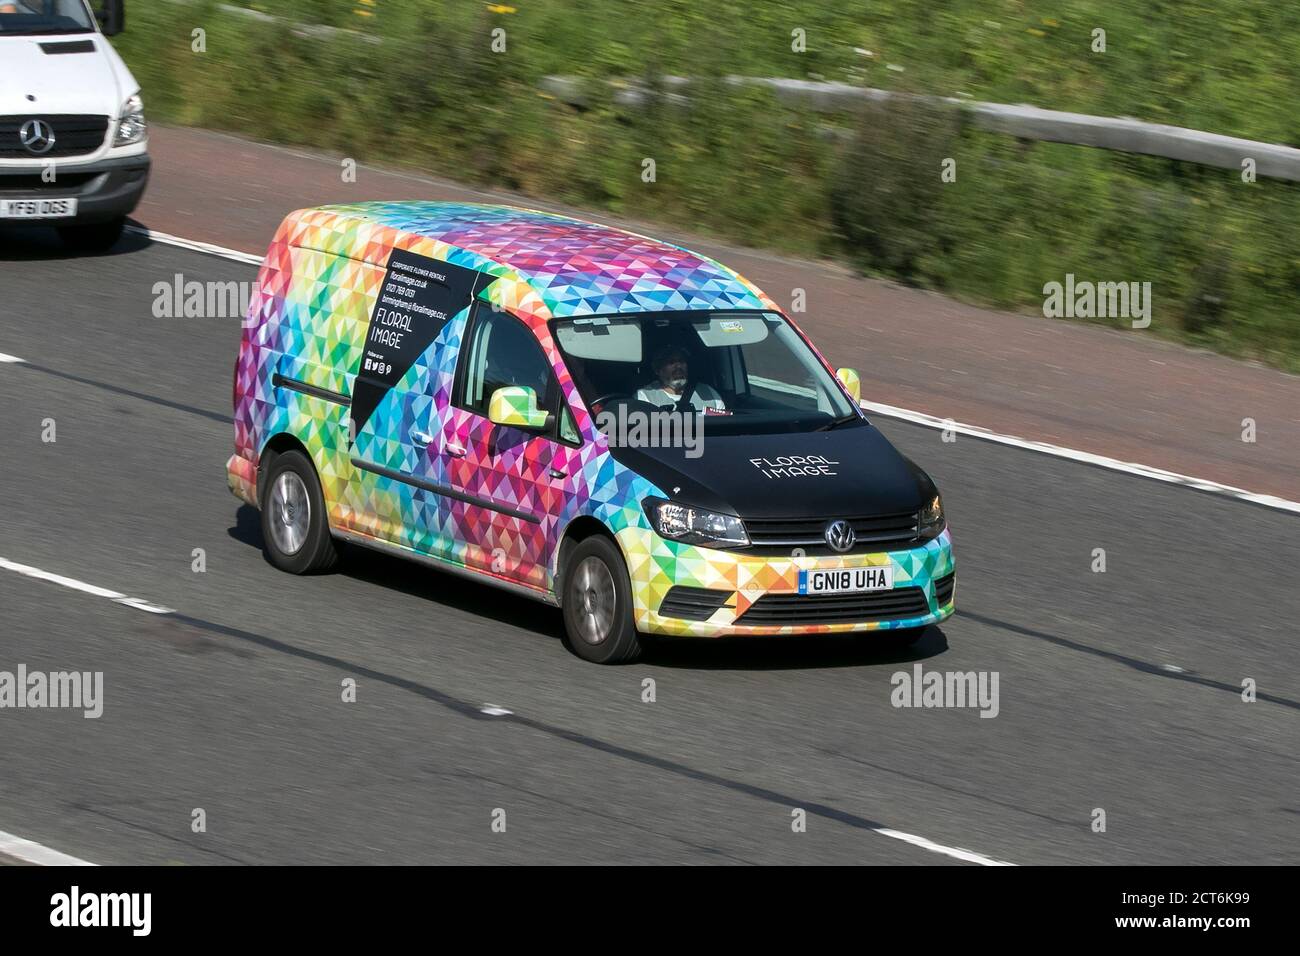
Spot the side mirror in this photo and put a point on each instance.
(111, 17)
(516, 406)
(849, 379)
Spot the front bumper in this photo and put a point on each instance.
(105, 190)
(656, 566)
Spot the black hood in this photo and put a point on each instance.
(851, 470)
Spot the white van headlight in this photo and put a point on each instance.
(678, 522)
(131, 128)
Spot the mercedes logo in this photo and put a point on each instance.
(37, 136)
(840, 535)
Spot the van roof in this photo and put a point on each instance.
(576, 267)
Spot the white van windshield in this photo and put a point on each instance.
(745, 372)
(38, 17)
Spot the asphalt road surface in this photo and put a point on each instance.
(1119, 690)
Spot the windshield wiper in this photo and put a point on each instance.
(836, 422)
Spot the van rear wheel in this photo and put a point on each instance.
(597, 604)
(295, 528)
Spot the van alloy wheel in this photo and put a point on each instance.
(597, 603)
(593, 590)
(290, 512)
(295, 524)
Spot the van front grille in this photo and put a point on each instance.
(872, 533)
(783, 610)
(73, 136)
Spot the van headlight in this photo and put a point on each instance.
(688, 525)
(932, 520)
(131, 128)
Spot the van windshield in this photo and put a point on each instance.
(33, 17)
(744, 372)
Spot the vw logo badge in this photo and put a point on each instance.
(37, 136)
(840, 535)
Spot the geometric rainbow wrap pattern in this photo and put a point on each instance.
(308, 320)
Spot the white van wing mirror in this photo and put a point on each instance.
(112, 17)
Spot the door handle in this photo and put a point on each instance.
(557, 474)
(454, 448)
(423, 439)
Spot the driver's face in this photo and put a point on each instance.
(673, 370)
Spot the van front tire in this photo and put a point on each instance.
(295, 528)
(597, 604)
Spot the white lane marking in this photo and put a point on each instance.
(919, 418)
(13, 359)
(141, 605)
(59, 579)
(1114, 464)
(29, 852)
(196, 246)
(955, 852)
(28, 571)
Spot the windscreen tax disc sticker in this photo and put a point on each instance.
(419, 296)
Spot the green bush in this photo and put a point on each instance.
(887, 194)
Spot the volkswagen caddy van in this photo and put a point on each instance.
(73, 138)
(603, 422)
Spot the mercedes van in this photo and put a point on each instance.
(73, 139)
(591, 418)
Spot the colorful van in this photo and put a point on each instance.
(594, 419)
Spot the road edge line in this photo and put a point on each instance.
(194, 245)
(28, 851)
(1083, 457)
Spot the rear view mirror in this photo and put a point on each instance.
(849, 379)
(516, 406)
(111, 17)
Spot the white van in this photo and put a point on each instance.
(73, 139)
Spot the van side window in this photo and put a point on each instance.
(502, 351)
(568, 430)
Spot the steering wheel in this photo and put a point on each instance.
(607, 397)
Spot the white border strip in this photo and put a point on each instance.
(117, 597)
(891, 411)
(196, 246)
(29, 852)
(966, 856)
(1114, 464)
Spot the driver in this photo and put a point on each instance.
(671, 365)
